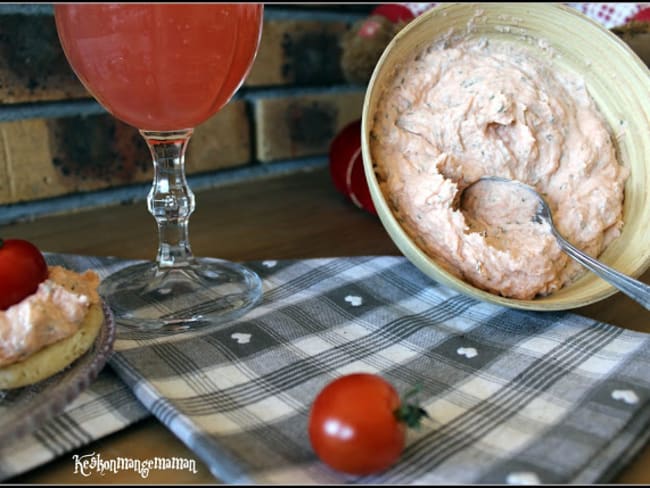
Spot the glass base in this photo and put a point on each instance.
(208, 293)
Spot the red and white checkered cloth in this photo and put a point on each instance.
(608, 14)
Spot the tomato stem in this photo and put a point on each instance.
(411, 413)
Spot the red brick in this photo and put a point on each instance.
(42, 158)
(298, 126)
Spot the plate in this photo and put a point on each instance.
(22, 410)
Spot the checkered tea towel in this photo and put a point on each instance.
(105, 407)
(608, 14)
(514, 397)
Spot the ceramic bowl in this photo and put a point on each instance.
(616, 78)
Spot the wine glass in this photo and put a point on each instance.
(164, 69)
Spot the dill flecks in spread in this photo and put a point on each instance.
(54, 312)
(452, 114)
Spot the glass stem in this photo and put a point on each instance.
(170, 199)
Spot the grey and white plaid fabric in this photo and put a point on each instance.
(107, 406)
(515, 397)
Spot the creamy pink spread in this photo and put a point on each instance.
(55, 311)
(460, 110)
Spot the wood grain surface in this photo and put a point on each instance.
(294, 216)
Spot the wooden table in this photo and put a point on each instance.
(292, 216)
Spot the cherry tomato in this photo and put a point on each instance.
(642, 15)
(346, 167)
(356, 424)
(22, 269)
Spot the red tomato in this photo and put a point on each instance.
(22, 269)
(642, 15)
(346, 167)
(343, 151)
(355, 425)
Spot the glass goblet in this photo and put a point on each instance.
(164, 69)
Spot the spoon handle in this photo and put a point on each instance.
(638, 291)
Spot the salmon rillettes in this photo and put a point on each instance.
(54, 312)
(455, 112)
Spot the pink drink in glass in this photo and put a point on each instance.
(160, 67)
(164, 69)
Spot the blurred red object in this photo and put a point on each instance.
(346, 167)
(642, 15)
(394, 12)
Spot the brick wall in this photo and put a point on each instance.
(60, 151)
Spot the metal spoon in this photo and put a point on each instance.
(638, 291)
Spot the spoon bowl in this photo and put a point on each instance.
(615, 77)
(637, 290)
